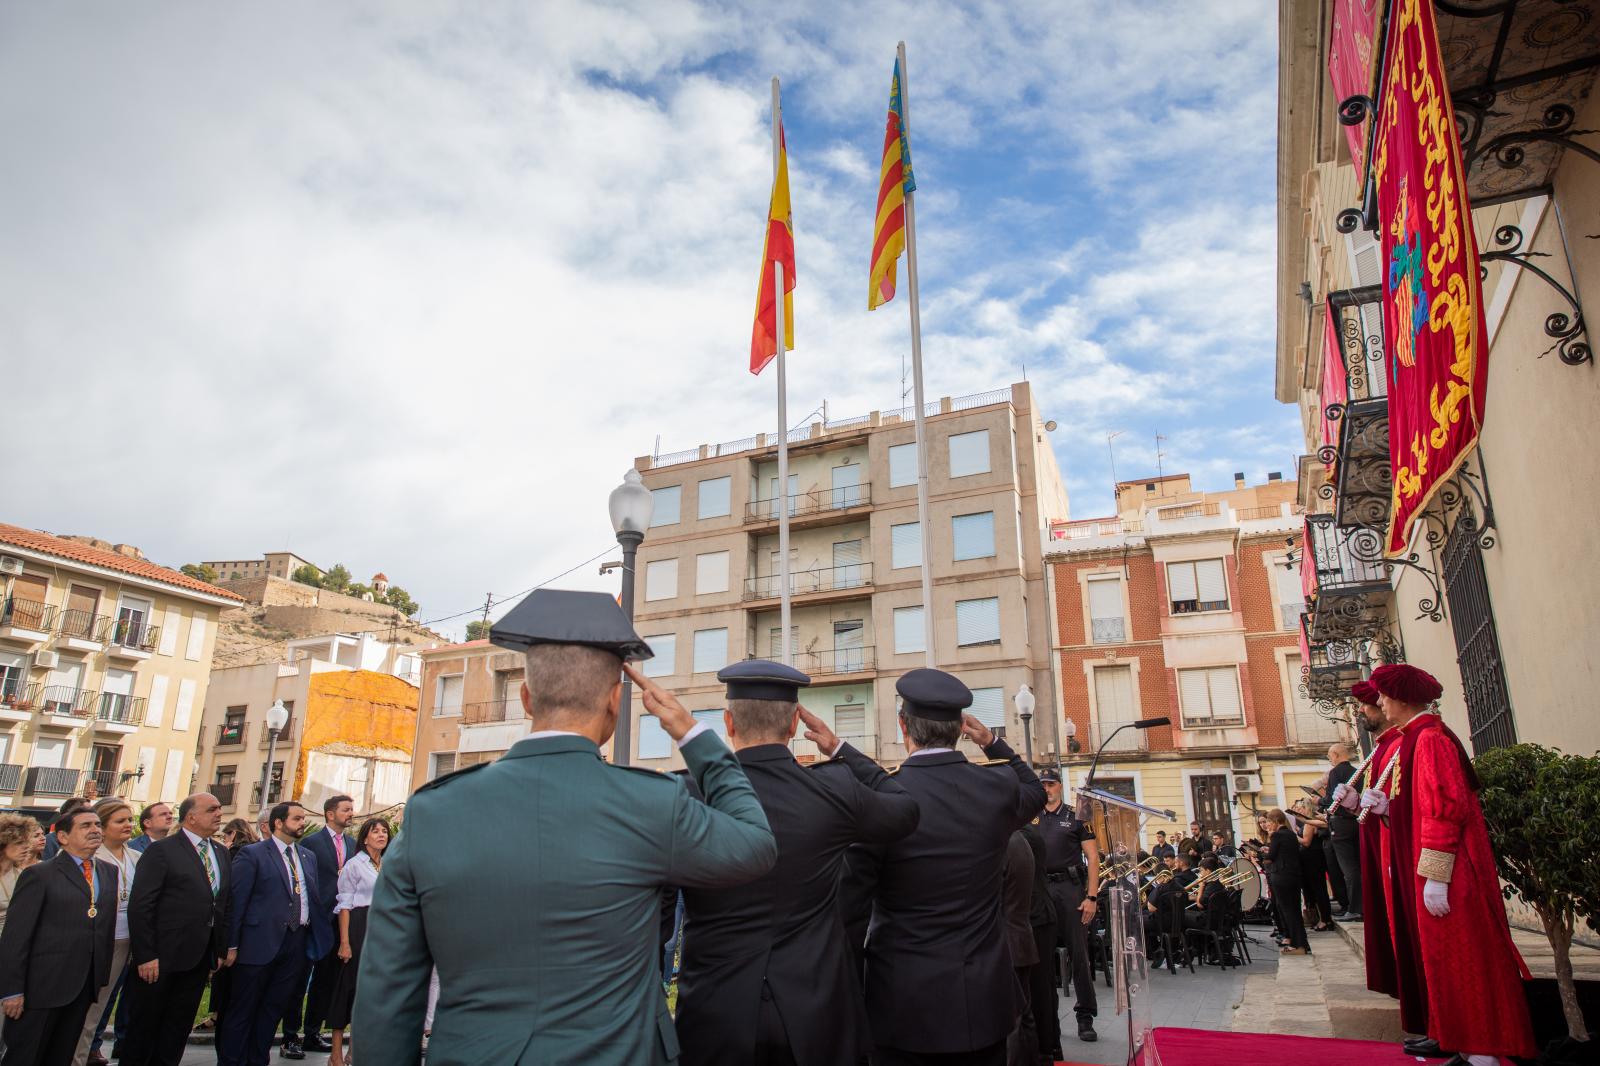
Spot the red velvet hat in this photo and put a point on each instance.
(1406, 683)
(1364, 692)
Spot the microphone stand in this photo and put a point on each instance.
(1088, 782)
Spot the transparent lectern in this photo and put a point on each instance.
(1130, 966)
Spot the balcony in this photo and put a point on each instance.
(1315, 730)
(66, 704)
(50, 781)
(10, 777)
(26, 621)
(131, 638)
(17, 700)
(105, 782)
(1361, 479)
(232, 734)
(119, 714)
(223, 790)
(285, 735)
(805, 752)
(1331, 668)
(481, 712)
(832, 662)
(84, 630)
(833, 582)
(814, 508)
(1347, 588)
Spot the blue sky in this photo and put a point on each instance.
(408, 286)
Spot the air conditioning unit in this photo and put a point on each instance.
(10, 564)
(46, 659)
(1244, 762)
(1246, 783)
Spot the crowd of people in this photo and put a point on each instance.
(102, 926)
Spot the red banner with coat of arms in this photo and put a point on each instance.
(1435, 342)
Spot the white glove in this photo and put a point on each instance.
(1343, 797)
(1436, 897)
(1374, 800)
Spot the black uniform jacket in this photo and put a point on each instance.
(784, 928)
(938, 971)
(50, 942)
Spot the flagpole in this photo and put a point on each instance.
(916, 378)
(783, 407)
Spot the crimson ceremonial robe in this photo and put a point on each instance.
(1471, 974)
(1398, 977)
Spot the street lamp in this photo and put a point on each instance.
(631, 506)
(1025, 704)
(277, 718)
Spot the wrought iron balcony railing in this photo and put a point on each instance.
(224, 791)
(806, 582)
(123, 710)
(105, 782)
(129, 633)
(66, 700)
(1360, 487)
(487, 712)
(84, 625)
(10, 776)
(28, 614)
(835, 661)
(1348, 584)
(1108, 630)
(817, 501)
(16, 696)
(50, 781)
(231, 734)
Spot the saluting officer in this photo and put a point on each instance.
(766, 978)
(533, 882)
(1072, 870)
(939, 980)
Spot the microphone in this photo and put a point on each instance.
(1151, 723)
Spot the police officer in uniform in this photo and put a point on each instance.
(939, 981)
(533, 882)
(766, 977)
(1072, 870)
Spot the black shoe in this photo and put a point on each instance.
(318, 1042)
(1086, 1031)
(1425, 1047)
(292, 1050)
(1356, 917)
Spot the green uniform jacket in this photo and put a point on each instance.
(534, 883)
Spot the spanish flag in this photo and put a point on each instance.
(895, 180)
(778, 247)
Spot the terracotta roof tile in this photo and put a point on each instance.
(44, 543)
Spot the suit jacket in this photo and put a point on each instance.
(173, 916)
(263, 909)
(938, 973)
(320, 844)
(1016, 893)
(50, 943)
(533, 883)
(784, 928)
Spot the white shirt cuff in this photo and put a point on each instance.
(836, 752)
(694, 731)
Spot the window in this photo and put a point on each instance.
(710, 650)
(710, 573)
(1210, 696)
(850, 723)
(1107, 624)
(232, 731)
(508, 696)
(274, 794)
(1291, 600)
(909, 635)
(775, 642)
(973, 535)
(661, 580)
(226, 776)
(13, 678)
(713, 497)
(989, 707)
(969, 453)
(441, 763)
(653, 740)
(1113, 702)
(712, 719)
(849, 645)
(902, 465)
(905, 545)
(447, 699)
(665, 660)
(977, 622)
(667, 502)
(1197, 586)
(847, 572)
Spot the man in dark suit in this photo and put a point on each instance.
(277, 919)
(56, 951)
(766, 978)
(939, 982)
(175, 916)
(1016, 900)
(332, 845)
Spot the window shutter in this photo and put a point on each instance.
(775, 642)
(444, 762)
(173, 783)
(902, 465)
(846, 553)
(1105, 598)
(661, 579)
(711, 573)
(905, 545)
(1194, 695)
(1212, 583)
(667, 501)
(1298, 701)
(118, 682)
(710, 650)
(141, 784)
(969, 453)
(977, 621)
(1180, 582)
(713, 497)
(713, 721)
(973, 535)
(908, 632)
(185, 705)
(989, 706)
(169, 632)
(197, 637)
(653, 740)
(665, 660)
(1288, 579)
(850, 723)
(1224, 684)
(1113, 696)
(156, 710)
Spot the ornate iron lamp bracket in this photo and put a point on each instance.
(1571, 337)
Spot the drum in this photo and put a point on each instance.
(1247, 879)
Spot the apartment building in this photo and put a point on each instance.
(1496, 583)
(1187, 605)
(272, 564)
(471, 710)
(708, 585)
(352, 703)
(105, 660)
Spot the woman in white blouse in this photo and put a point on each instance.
(356, 882)
(117, 828)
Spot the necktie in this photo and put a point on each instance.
(211, 870)
(338, 847)
(294, 874)
(88, 876)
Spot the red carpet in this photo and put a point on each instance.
(1204, 1047)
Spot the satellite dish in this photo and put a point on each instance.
(1050, 426)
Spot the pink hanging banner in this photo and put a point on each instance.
(1335, 385)
(1355, 25)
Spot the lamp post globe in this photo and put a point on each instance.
(631, 506)
(1025, 703)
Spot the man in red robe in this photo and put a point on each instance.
(1441, 891)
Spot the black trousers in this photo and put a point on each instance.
(259, 994)
(1022, 1046)
(1336, 885)
(1074, 936)
(1042, 990)
(48, 1036)
(1347, 850)
(993, 1055)
(322, 974)
(160, 1015)
(1286, 902)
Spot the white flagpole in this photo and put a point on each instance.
(783, 409)
(916, 377)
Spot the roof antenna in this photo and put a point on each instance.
(1159, 456)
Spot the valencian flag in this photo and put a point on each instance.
(894, 181)
(1435, 341)
(778, 247)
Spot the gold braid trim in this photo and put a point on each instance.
(1436, 865)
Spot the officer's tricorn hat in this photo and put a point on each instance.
(760, 679)
(562, 616)
(933, 694)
